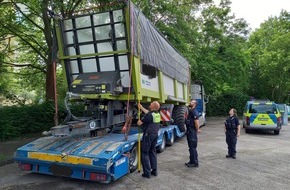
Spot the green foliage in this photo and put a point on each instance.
(24, 52)
(30, 26)
(61, 85)
(33, 119)
(222, 61)
(269, 47)
(220, 105)
(17, 121)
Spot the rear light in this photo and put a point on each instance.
(98, 177)
(25, 167)
(279, 119)
(248, 120)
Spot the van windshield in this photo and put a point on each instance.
(263, 108)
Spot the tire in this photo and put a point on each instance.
(178, 115)
(161, 148)
(277, 132)
(247, 130)
(171, 140)
(133, 159)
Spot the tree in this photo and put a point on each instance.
(30, 23)
(269, 47)
(222, 60)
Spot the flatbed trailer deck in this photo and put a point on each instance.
(102, 158)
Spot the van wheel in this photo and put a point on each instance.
(247, 130)
(161, 148)
(277, 132)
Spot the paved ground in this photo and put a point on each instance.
(262, 163)
(8, 148)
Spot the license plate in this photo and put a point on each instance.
(59, 170)
(263, 119)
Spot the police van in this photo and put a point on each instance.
(262, 115)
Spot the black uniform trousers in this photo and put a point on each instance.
(149, 157)
(231, 139)
(192, 145)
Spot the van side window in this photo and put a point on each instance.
(252, 110)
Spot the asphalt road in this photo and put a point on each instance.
(263, 162)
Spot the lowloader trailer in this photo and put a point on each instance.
(103, 158)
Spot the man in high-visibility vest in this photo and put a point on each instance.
(150, 126)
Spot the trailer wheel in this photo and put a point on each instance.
(133, 160)
(178, 115)
(172, 139)
(161, 148)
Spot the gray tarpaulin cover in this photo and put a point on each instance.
(155, 50)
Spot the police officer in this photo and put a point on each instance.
(192, 128)
(232, 130)
(151, 124)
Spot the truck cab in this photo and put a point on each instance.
(198, 93)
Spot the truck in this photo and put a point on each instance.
(113, 59)
(198, 93)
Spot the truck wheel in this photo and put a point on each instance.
(161, 148)
(172, 139)
(277, 132)
(133, 160)
(178, 115)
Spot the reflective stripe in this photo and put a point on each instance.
(60, 158)
(165, 115)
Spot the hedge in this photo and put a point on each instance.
(28, 119)
(220, 105)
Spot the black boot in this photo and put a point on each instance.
(154, 172)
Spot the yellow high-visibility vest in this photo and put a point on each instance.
(156, 117)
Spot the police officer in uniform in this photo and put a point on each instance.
(151, 124)
(192, 128)
(232, 130)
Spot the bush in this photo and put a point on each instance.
(16, 121)
(220, 105)
(27, 119)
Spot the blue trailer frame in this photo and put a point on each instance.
(103, 158)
